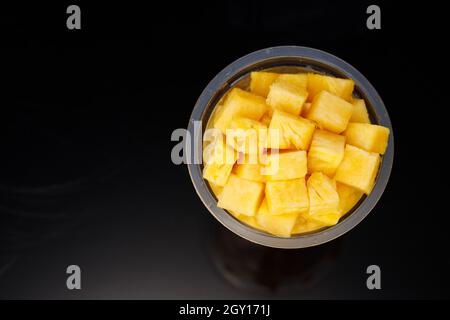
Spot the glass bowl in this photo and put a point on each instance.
(287, 59)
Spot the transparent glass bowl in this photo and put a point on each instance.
(288, 59)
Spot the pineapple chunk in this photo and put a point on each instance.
(235, 214)
(215, 189)
(323, 197)
(330, 112)
(327, 220)
(348, 197)
(261, 81)
(358, 169)
(239, 103)
(244, 135)
(286, 96)
(293, 132)
(342, 88)
(370, 137)
(287, 196)
(306, 225)
(251, 221)
(241, 196)
(219, 159)
(249, 171)
(305, 109)
(266, 118)
(360, 113)
(278, 225)
(298, 79)
(286, 165)
(216, 173)
(326, 152)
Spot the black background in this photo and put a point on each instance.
(86, 176)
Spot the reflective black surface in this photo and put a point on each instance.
(86, 176)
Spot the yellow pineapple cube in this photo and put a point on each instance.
(219, 159)
(306, 225)
(286, 96)
(251, 221)
(216, 189)
(217, 173)
(298, 79)
(278, 225)
(239, 103)
(286, 165)
(370, 137)
(261, 81)
(360, 113)
(326, 152)
(358, 169)
(348, 197)
(249, 171)
(342, 88)
(266, 118)
(327, 219)
(245, 135)
(323, 197)
(305, 109)
(235, 214)
(287, 196)
(241, 196)
(330, 112)
(293, 132)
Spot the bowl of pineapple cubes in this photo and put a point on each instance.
(297, 147)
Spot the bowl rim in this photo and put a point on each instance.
(303, 240)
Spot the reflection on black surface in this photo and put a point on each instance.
(54, 163)
(256, 268)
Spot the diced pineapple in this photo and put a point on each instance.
(216, 189)
(326, 152)
(216, 173)
(348, 197)
(293, 132)
(298, 79)
(287, 196)
(330, 112)
(241, 196)
(239, 103)
(265, 120)
(236, 215)
(219, 159)
(245, 135)
(358, 169)
(340, 87)
(323, 197)
(251, 221)
(249, 171)
(370, 137)
(275, 148)
(214, 145)
(305, 109)
(261, 81)
(327, 219)
(360, 113)
(305, 226)
(278, 225)
(286, 165)
(286, 96)
(246, 123)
